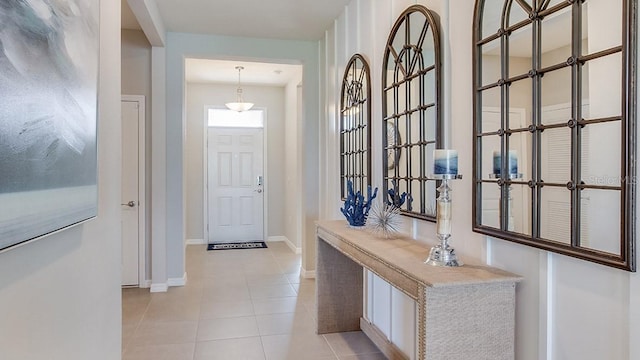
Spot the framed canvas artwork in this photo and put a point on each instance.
(48, 117)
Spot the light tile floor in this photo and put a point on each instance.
(237, 305)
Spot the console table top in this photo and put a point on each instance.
(406, 255)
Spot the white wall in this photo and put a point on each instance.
(270, 98)
(60, 296)
(292, 162)
(566, 308)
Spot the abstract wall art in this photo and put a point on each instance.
(48, 116)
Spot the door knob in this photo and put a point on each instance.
(130, 204)
(259, 191)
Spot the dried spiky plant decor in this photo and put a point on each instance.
(384, 219)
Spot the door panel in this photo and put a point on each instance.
(130, 185)
(236, 196)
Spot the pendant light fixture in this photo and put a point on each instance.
(239, 105)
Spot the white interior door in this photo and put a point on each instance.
(236, 184)
(132, 116)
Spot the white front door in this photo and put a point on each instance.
(236, 184)
(132, 117)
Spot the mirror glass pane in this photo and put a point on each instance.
(600, 217)
(520, 51)
(520, 103)
(555, 155)
(415, 133)
(399, 40)
(601, 157)
(605, 99)
(430, 204)
(490, 147)
(555, 214)
(429, 88)
(490, 60)
(551, 3)
(519, 209)
(556, 97)
(428, 51)
(430, 125)
(389, 71)
(518, 13)
(602, 25)
(556, 37)
(416, 24)
(491, 114)
(519, 154)
(415, 188)
(490, 214)
(401, 93)
(491, 17)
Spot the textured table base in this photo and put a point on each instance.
(462, 313)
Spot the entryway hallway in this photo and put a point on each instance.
(237, 305)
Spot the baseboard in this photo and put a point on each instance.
(307, 274)
(195, 242)
(286, 240)
(145, 284)
(177, 281)
(389, 349)
(276, 238)
(157, 288)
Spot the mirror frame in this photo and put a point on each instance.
(626, 259)
(353, 99)
(431, 23)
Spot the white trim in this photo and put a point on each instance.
(142, 194)
(145, 284)
(177, 281)
(195, 242)
(307, 274)
(156, 288)
(296, 250)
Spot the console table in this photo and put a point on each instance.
(464, 312)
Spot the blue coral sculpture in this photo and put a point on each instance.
(356, 209)
(397, 199)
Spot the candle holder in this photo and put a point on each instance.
(510, 219)
(443, 254)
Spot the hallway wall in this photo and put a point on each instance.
(566, 308)
(60, 296)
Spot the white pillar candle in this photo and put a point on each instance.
(512, 165)
(443, 224)
(445, 162)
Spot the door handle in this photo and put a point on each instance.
(259, 191)
(130, 204)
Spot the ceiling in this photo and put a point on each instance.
(304, 20)
(254, 73)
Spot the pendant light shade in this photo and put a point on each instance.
(239, 105)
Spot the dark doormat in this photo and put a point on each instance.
(237, 245)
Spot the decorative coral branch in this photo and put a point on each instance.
(397, 199)
(356, 209)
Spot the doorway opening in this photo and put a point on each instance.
(235, 175)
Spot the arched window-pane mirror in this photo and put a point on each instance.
(355, 126)
(555, 126)
(412, 120)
